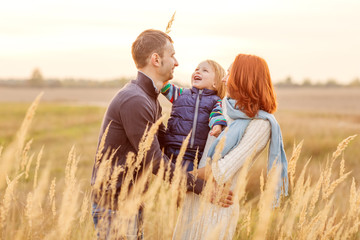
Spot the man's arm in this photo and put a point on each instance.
(162, 129)
(136, 114)
(161, 135)
(171, 91)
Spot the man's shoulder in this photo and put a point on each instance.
(130, 94)
(129, 91)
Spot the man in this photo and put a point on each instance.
(132, 109)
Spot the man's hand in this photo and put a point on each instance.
(216, 130)
(203, 173)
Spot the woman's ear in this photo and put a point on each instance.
(155, 59)
(214, 86)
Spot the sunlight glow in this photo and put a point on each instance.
(92, 39)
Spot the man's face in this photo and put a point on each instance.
(168, 62)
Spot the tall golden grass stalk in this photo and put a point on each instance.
(21, 135)
(7, 200)
(38, 159)
(342, 166)
(292, 163)
(168, 27)
(248, 223)
(52, 201)
(262, 182)
(24, 156)
(69, 204)
(85, 208)
(13, 153)
(99, 153)
(28, 165)
(315, 196)
(342, 146)
(28, 209)
(266, 204)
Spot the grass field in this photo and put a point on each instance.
(322, 118)
(67, 117)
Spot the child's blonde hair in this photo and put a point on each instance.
(219, 75)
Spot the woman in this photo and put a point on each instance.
(250, 89)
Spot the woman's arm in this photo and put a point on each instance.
(254, 141)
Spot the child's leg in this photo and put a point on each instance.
(188, 161)
(172, 152)
(190, 157)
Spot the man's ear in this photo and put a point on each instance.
(155, 59)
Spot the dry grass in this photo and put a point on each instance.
(34, 206)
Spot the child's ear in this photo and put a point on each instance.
(214, 86)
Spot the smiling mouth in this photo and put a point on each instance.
(197, 78)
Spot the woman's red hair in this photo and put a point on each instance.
(250, 85)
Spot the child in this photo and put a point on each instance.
(197, 110)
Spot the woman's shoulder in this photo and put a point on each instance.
(258, 131)
(259, 125)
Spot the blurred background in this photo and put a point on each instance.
(79, 54)
(306, 41)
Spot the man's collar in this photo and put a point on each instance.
(156, 90)
(147, 84)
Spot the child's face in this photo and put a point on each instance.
(203, 77)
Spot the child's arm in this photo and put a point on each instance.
(171, 92)
(217, 119)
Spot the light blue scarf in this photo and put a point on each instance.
(236, 131)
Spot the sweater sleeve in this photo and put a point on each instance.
(216, 115)
(171, 91)
(254, 141)
(135, 122)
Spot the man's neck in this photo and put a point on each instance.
(157, 83)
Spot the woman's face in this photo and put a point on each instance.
(226, 77)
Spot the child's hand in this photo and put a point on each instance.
(216, 130)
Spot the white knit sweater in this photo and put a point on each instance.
(199, 219)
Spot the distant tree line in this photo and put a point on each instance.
(36, 79)
(288, 82)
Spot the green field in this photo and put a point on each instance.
(57, 127)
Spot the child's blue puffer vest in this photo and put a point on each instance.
(191, 111)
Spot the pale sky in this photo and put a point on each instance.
(315, 39)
